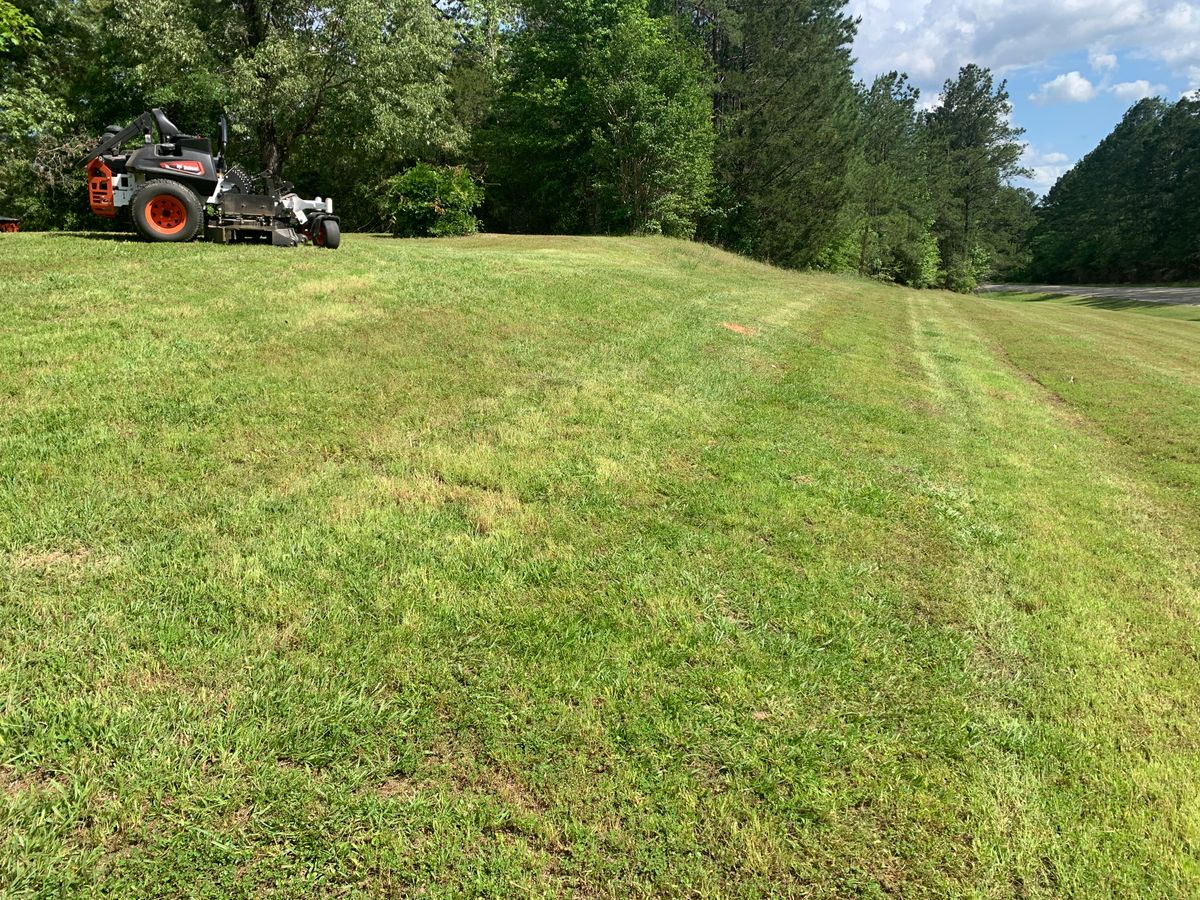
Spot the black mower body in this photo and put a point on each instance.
(187, 158)
(188, 161)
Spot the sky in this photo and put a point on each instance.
(1073, 66)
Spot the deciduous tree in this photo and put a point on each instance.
(604, 123)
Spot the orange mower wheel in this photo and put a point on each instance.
(167, 214)
(166, 211)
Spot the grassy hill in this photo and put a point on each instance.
(597, 566)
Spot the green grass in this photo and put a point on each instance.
(503, 566)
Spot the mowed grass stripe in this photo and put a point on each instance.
(1150, 412)
(505, 565)
(1031, 459)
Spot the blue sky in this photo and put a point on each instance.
(1073, 66)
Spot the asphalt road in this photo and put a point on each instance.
(1188, 296)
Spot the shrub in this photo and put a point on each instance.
(842, 254)
(918, 261)
(964, 272)
(431, 201)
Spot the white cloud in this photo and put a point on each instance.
(1137, 90)
(1100, 59)
(1069, 88)
(1047, 168)
(931, 39)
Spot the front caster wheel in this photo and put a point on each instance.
(327, 234)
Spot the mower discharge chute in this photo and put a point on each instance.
(176, 187)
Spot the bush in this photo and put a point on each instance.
(842, 254)
(964, 272)
(918, 261)
(431, 201)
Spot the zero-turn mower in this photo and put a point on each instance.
(176, 187)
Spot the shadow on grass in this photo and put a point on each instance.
(1022, 297)
(1108, 303)
(95, 235)
(1116, 303)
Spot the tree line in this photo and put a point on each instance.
(1130, 209)
(737, 122)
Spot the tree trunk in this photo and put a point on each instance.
(273, 152)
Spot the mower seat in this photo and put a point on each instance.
(166, 128)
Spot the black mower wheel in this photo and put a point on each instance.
(166, 210)
(328, 235)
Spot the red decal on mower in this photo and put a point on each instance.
(187, 166)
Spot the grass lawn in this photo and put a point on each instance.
(608, 567)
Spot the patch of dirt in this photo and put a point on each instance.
(61, 562)
(13, 785)
(397, 788)
(152, 680)
(487, 508)
(747, 330)
(324, 287)
(286, 635)
(508, 789)
(51, 559)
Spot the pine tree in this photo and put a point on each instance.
(1098, 222)
(892, 209)
(975, 150)
(785, 108)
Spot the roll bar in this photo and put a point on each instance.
(145, 125)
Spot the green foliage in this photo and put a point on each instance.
(431, 201)
(40, 179)
(785, 112)
(840, 255)
(652, 142)
(974, 151)
(965, 270)
(603, 124)
(15, 27)
(1130, 209)
(736, 121)
(890, 222)
(479, 58)
(891, 207)
(919, 260)
(1009, 233)
(334, 94)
